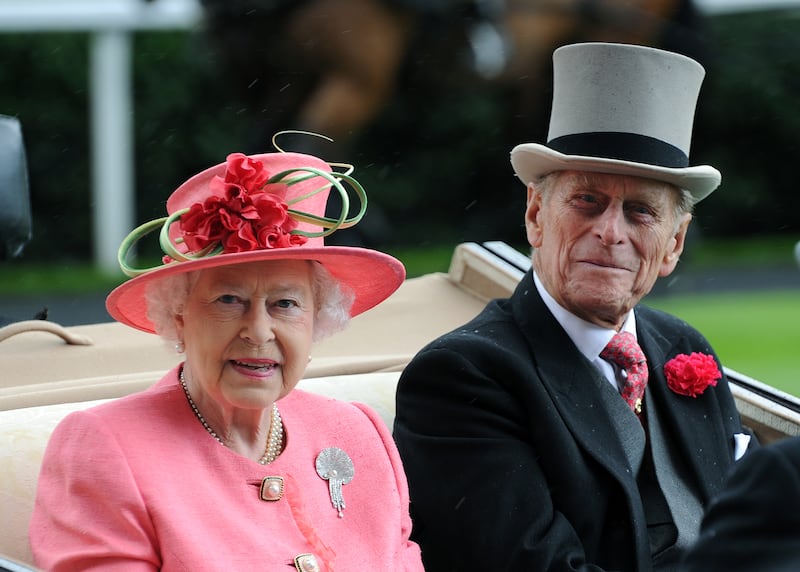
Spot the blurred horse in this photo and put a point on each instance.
(331, 66)
(336, 67)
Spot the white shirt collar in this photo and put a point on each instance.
(589, 338)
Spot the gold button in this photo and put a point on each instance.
(272, 489)
(306, 563)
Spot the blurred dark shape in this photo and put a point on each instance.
(42, 314)
(15, 205)
(336, 67)
(332, 65)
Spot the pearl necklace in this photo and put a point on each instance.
(274, 438)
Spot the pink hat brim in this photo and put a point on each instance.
(371, 275)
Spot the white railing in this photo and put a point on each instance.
(712, 7)
(110, 24)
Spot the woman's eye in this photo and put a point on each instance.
(286, 303)
(228, 299)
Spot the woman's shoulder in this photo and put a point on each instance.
(323, 414)
(140, 406)
(312, 404)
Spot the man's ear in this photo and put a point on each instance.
(533, 228)
(675, 246)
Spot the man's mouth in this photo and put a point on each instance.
(604, 264)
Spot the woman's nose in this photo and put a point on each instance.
(258, 326)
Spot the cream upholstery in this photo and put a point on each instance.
(24, 434)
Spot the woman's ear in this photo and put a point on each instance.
(178, 318)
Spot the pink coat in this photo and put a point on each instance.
(138, 484)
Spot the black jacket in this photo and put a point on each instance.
(754, 524)
(512, 462)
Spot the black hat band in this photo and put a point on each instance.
(623, 147)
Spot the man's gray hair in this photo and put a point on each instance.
(684, 200)
(166, 297)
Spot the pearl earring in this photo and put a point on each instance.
(179, 347)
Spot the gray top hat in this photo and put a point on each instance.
(621, 109)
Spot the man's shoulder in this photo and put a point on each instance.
(670, 333)
(653, 315)
(789, 449)
(648, 317)
(497, 339)
(494, 321)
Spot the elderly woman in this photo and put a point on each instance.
(223, 465)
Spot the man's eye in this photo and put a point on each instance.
(641, 210)
(585, 199)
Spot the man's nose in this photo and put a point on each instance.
(610, 225)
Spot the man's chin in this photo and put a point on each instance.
(615, 280)
(601, 304)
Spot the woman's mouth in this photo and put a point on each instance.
(261, 366)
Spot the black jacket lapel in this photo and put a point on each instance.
(703, 445)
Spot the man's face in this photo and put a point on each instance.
(600, 241)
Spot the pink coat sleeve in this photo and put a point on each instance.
(88, 514)
(408, 552)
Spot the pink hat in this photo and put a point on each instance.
(244, 210)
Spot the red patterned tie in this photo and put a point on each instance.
(626, 353)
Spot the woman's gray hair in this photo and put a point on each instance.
(166, 297)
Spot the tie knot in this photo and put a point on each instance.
(624, 351)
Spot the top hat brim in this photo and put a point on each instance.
(531, 161)
(371, 275)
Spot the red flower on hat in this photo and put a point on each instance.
(691, 374)
(245, 211)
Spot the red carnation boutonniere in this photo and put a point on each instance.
(692, 374)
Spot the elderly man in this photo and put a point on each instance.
(569, 427)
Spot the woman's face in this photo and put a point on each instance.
(247, 331)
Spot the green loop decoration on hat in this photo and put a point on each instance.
(330, 225)
(218, 211)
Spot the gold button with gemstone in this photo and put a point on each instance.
(272, 489)
(306, 563)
